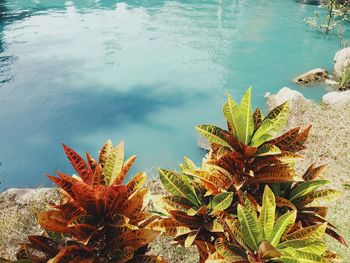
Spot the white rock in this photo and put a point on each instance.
(336, 98)
(331, 82)
(285, 94)
(341, 61)
(203, 143)
(317, 74)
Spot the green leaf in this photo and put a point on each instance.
(264, 138)
(306, 187)
(247, 115)
(114, 163)
(189, 164)
(213, 134)
(221, 202)
(191, 237)
(249, 228)
(273, 123)
(303, 257)
(232, 113)
(174, 184)
(282, 224)
(267, 214)
(313, 245)
(287, 259)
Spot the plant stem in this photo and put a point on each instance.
(330, 16)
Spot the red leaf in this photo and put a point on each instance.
(44, 244)
(91, 161)
(83, 170)
(92, 200)
(66, 185)
(71, 209)
(336, 236)
(73, 254)
(54, 221)
(99, 178)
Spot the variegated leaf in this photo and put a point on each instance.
(249, 228)
(267, 213)
(282, 225)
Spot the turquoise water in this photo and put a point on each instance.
(81, 72)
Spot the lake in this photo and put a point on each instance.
(146, 72)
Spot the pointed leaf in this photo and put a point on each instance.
(267, 251)
(221, 202)
(273, 123)
(226, 250)
(83, 169)
(306, 187)
(191, 237)
(317, 197)
(247, 116)
(105, 152)
(125, 169)
(315, 231)
(213, 134)
(267, 213)
(273, 177)
(186, 220)
(175, 185)
(314, 245)
(114, 163)
(258, 118)
(233, 115)
(303, 257)
(314, 172)
(282, 224)
(249, 228)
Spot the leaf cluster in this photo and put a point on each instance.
(99, 219)
(251, 168)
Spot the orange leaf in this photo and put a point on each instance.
(79, 164)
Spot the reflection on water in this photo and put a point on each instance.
(146, 71)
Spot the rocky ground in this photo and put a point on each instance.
(328, 143)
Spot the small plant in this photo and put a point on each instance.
(248, 152)
(191, 210)
(251, 155)
(305, 197)
(262, 238)
(345, 79)
(244, 162)
(99, 219)
(334, 14)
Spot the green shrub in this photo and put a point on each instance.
(345, 79)
(243, 160)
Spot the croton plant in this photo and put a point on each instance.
(100, 219)
(216, 206)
